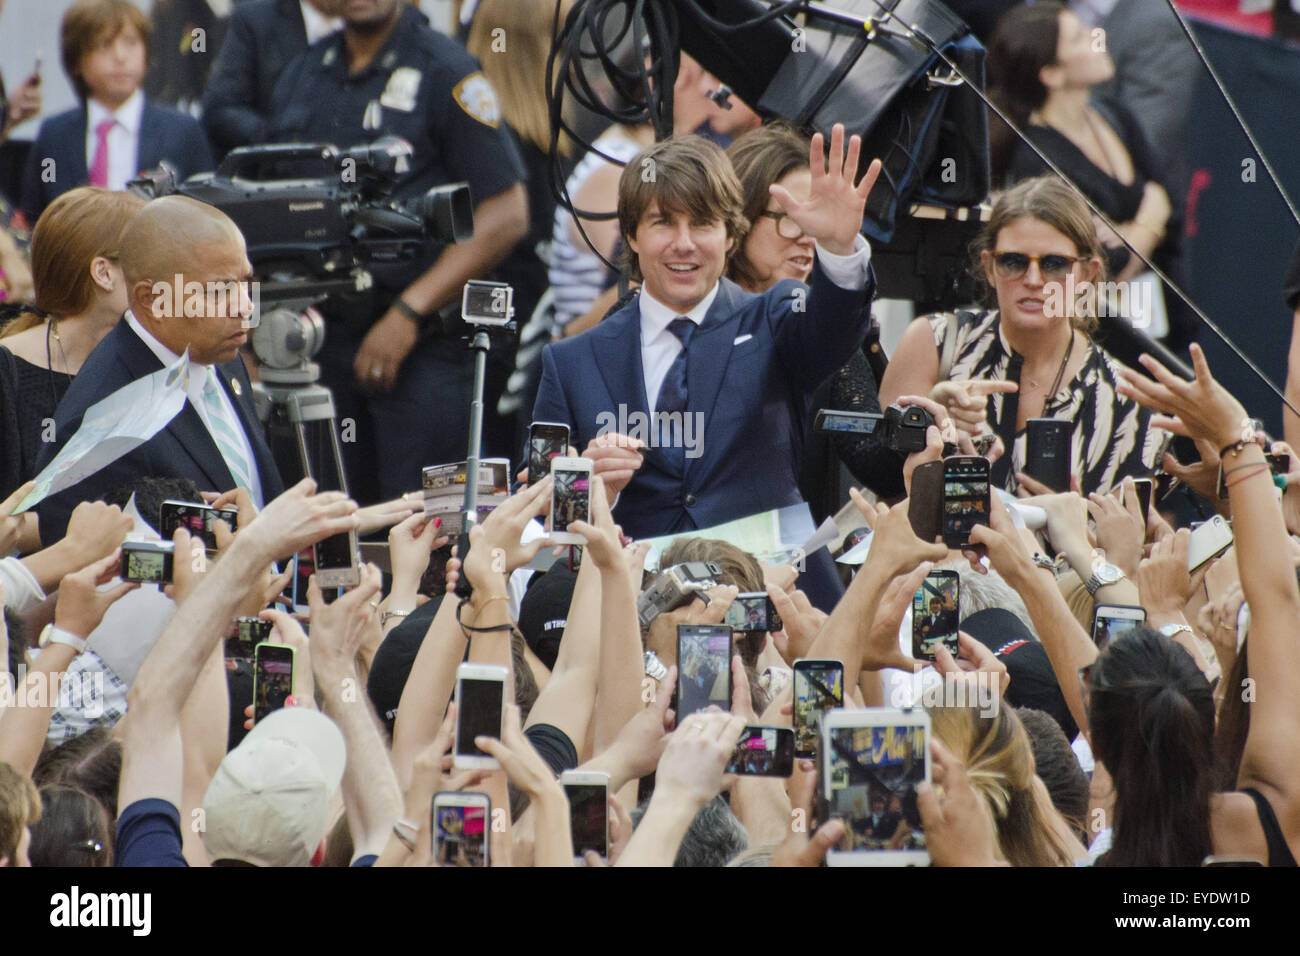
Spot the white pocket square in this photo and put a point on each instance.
(741, 338)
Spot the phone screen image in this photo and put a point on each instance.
(572, 497)
(479, 708)
(935, 616)
(146, 566)
(704, 662)
(1106, 628)
(874, 772)
(965, 500)
(460, 835)
(588, 806)
(752, 612)
(272, 679)
(543, 445)
(817, 689)
(761, 752)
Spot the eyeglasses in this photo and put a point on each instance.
(1013, 265)
(786, 227)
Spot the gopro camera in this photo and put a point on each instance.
(487, 303)
(676, 587)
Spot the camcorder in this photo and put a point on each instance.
(676, 587)
(898, 427)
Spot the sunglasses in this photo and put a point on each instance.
(1013, 265)
(786, 227)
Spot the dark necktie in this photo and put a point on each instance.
(1006, 427)
(672, 395)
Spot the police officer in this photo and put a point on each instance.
(394, 370)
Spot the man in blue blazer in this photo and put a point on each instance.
(713, 383)
(216, 440)
(117, 132)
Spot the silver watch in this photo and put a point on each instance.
(1173, 630)
(654, 667)
(1103, 573)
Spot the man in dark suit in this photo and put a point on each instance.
(116, 132)
(727, 375)
(261, 40)
(216, 439)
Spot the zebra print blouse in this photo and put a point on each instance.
(1113, 436)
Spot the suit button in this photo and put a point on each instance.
(690, 501)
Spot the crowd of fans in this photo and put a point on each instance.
(128, 734)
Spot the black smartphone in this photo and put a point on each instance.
(818, 687)
(1145, 487)
(272, 678)
(196, 518)
(1278, 464)
(925, 503)
(764, 752)
(588, 794)
(965, 497)
(1047, 451)
(753, 611)
(337, 559)
(935, 614)
(148, 562)
(546, 440)
(703, 668)
(246, 634)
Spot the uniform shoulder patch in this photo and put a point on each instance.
(475, 95)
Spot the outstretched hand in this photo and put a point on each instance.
(833, 212)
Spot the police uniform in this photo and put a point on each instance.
(427, 89)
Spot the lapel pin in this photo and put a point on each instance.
(235, 387)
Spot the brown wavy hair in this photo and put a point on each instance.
(760, 158)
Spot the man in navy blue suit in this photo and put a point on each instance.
(216, 439)
(116, 133)
(713, 383)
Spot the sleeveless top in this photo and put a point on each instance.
(1113, 436)
(1279, 853)
(577, 274)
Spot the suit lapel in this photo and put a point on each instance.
(617, 344)
(710, 352)
(239, 390)
(151, 137)
(76, 160)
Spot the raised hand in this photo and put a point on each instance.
(1201, 408)
(832, 214)
(81, 605)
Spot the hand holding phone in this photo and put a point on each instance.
(570, 497)
(272, 678)
(965, 497)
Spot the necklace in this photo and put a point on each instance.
(1060, 373)
(53, 329)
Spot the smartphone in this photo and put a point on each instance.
(753, 611)
(965, 497)
(196, 518)
(935, 614)
(764, 752)
(149, 562)
(925, 503)
(1109, 621)
(873, 761)
(546, 441)
(1047, 451)
(1145, 487)
(480, 702)
(818, 687)
(1209, 540)
(246, 634)
(337, 559)
(703, 668)
(460, 828)
(570, 497)
(272, 678)
(1278, 464)
(588, 794)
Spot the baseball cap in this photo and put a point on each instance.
(269, 803)
(544, 611)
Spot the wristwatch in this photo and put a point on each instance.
(654, 667)
(1172, 630)
(57, 635)
(1103, 573)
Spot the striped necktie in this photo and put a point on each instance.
(226, 432)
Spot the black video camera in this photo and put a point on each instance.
(900, 428)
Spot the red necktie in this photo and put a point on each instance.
(99, 164)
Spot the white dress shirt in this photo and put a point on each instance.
(195, 392)
(659, 346)
(123, 138)
(318, 25)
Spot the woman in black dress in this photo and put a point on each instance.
(80, 295)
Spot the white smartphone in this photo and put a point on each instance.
(588, 794)
(570, 497)
(1209, 540)
(873, 760)
(460, 828)
(1110, 621)
(480, 704)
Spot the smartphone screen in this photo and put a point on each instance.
(764, 752)
(272, 678)
(818, 687)
(198, 519)
(460, 835)
(545, 441)
(1111, 621)
(935, 615)
(478, 702)
(753, 611)
(1144, 487)
(965, 497)
(588, 817)
(571, 498)
(703, 668)
(873, 775)
(149, 564)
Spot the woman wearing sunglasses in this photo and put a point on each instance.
(1031, 356)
